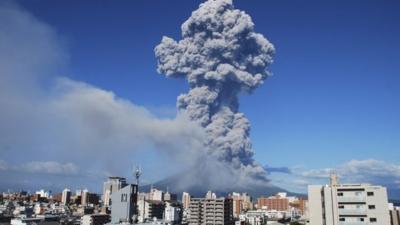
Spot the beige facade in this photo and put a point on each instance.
(205, 211)
(348, 204)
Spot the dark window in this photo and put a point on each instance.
(339, 194)
(362, 219)
(370, 193)
(373, 220)
(342, 219)
(341, 206)
(124, 197)
(371, 207)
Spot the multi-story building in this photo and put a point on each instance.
(113, 184)
(156, 195)
(279, 202)
(124, 203)
(348, 204)
(150, 209)
(89, 198)
(394, 215)
(241, 202)
(210, 211)
(66, 196)
(170, 197)
(185, 200)
(172, 213)
(95, 219)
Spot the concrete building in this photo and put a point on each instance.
(156, 195)
(241, 202)
(172, 213)
(88, 198)
(394, 215)
(185, 200)
(148, 210)
(66, 196)
(342, 204)
(211, 195)
(124, 203)
(170, 197)
(95, 219)
(279, 202)
(211, 211)
(113, 184)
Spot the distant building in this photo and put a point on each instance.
(185, 200)
(57, 197)
(156, 195)
(124, 203)
(241, 202)
(211, 211)
(348, 204)
(113, 184)
(172, 213)
(66, 196)
(148, 210)
(89, 198)
(279, 202)
(95, 219)
(211, 195)
(170, 197)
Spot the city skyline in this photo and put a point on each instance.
(92, 91)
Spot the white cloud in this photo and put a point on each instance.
(371, 171)
(46, 119)
(359, 170)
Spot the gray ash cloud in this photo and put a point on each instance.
(221, 56)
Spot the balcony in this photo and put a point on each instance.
(361, 211)
(351, 198)
(353, 223)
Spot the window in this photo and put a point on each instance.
(340, 194)
(362, 219)
(372, 220)
(124, 197)
(371, 207)
(341, 206)
(370, 193)
(342, 219)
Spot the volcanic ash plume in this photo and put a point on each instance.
(220, 55)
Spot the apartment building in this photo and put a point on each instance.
(211, 211)
(348, 204)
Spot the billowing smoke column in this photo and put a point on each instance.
(220, 55)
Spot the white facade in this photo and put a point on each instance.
(66, 196)
(171, 214)
(348, 204)
(113, 184)
(185, 200)
(156, 195)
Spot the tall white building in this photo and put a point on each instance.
(185, 200)
(66, 196)
(113, 184)
(348, 204)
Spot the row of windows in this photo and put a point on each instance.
(369, 193)
(372, 220)
(358, 206)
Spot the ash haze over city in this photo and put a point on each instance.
(246, 96)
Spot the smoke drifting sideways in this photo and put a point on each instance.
(221, 56)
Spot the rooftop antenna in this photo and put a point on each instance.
(137, 174)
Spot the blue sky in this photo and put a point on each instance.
(333, 97)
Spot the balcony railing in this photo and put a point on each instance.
(353, 223)
(351, 198)
(362, 211)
